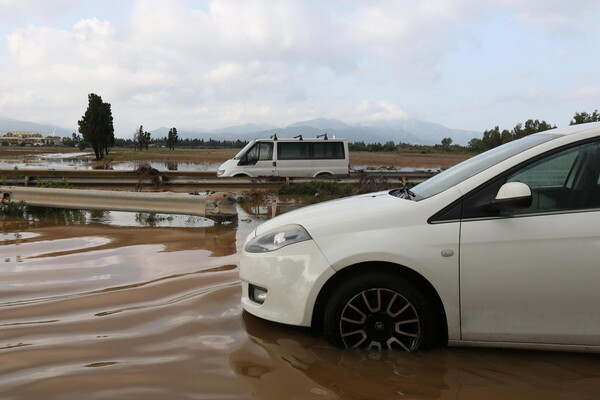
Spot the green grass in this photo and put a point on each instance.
(316, 188)
(22, 210)
(61, 184)
(151, 219)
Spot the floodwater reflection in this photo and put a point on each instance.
(288, 363)
(70, 162)
(109, 306)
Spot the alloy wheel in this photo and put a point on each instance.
(380, 318)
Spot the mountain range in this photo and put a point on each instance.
(405, 130)
(402, 130)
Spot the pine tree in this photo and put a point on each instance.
(96, 126)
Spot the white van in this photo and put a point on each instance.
(298, 157)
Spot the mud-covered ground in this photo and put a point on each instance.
(218, 156)
(117, 306)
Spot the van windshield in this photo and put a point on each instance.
(244, 150)
(474, 165)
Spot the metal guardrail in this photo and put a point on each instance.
(219, 206)
(168, 178)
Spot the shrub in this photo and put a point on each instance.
(316, 188)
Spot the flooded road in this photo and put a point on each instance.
(110, 306)
(68, 163)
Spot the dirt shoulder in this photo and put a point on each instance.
(406, 159)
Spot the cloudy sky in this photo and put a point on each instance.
(469, 64)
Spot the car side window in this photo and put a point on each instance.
(563, 181)
(567, 180)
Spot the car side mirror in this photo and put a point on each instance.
(243, 160)
(513, 196)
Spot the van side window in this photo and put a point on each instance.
(310, 151)
(293, 151)
(262, 151)
(329, 150)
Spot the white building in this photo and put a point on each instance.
(16, 138)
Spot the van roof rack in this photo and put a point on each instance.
(324, 136)
(274, 136)
(298, 137)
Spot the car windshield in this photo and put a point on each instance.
(244, 150)
(471, 167)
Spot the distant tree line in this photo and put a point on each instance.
(494, 137)
(74, 140)
(491, 138)
(212, 143)
(584, 117)
(185, 143)
(445, 145)
(362, 146)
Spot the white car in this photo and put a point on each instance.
(501, 250)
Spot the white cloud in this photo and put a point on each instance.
(238, 61)
(553, 16)
(377, 111)
(242, 31)
(532, 94)
(89, 42)
(590, 92)
(170, 56)
(412, 37)
(24, 9)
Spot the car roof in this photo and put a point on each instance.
(572, 129)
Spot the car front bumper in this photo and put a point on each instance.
(292, 276)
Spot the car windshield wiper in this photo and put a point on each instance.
(403, 193)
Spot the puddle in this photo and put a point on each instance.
(66, 156)
(166, 166)
(70, 161)
(370, 168)
(55, 163)
(104, 306)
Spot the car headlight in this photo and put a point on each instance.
(277, 239)
(220, 172)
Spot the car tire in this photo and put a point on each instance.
(379, 311)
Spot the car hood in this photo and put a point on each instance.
(357, 208)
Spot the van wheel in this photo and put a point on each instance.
(324, 175)
(379, 311)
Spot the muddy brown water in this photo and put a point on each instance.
(98, 308)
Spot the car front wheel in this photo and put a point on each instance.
(379, 311)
